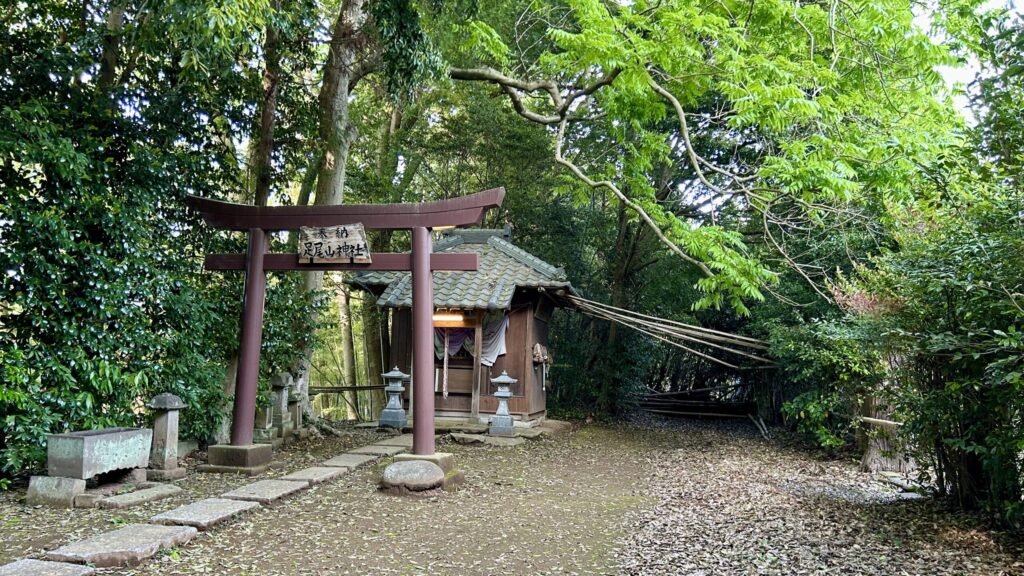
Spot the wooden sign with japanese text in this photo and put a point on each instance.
(327, 244)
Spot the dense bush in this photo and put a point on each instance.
(102, 300)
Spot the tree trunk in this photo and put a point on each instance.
(336, 133)
(111, 47)
(334, 128)
(261, 168)
(348, 359)
(373, 333)
(625, 244)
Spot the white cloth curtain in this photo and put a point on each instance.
(494, 341)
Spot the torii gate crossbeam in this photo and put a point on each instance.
(242, 455)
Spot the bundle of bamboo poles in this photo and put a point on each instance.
(675, 333)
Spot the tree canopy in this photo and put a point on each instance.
(794, 171)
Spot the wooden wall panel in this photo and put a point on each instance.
(401, 340)
(453, 403)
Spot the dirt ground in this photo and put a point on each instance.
(654, 497)
(27, 531)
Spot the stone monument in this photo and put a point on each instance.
(281, 383)
(263, 431)
(163, 455)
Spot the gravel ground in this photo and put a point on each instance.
(648, 497)
(729, 502)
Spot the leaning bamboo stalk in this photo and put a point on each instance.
(695, 390)
(722, 336)
(667, 331)
(887, 424)
(676, 344)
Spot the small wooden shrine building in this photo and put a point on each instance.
(488, 321)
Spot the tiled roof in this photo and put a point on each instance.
(503, 268)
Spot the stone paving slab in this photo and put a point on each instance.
(43, 568)
(130, 499)
(128, 546)
(405, 441)
(265, 491)
(351, 461)
(204, 514)
(377, 450)
(316, 474)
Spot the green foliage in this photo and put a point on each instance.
(814, 414)
(406, 51)
(956, 328)
(102, 304)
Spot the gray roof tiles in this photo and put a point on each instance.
(503, 268)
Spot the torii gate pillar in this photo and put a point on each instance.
(423, 343)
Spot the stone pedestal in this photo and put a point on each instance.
(412, 476)
(444, 460)
(55, 491)
(450, 480)
(502, 423)
(163, 454)
(250, 459)
(393, 415)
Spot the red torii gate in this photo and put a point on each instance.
(244, 456)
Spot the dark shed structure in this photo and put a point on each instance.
(488, 321)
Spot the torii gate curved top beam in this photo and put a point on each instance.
(462, 211)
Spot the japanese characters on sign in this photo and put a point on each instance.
(326, 244)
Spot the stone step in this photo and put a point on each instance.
(43, 568)
(315, 475)
(204, 514)
(350, 461)
(486, 440)
(405, 441)
(529, 433)
(130, 499)
(376, 450)
(265, 491)
(128, 546)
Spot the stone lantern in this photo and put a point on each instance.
(163, 454)
(393, 415)
(501, 422)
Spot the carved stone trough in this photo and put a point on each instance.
(88, 453)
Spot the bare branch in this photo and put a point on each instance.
(625, 200)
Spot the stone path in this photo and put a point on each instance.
(316, 474)
(136, 543)
(266, 491)
(204, 514)
(44, 568)
(125, 547)
(139, 496)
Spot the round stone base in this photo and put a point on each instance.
(412, 476)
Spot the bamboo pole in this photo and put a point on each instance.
(711, 334)
(612, 316)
